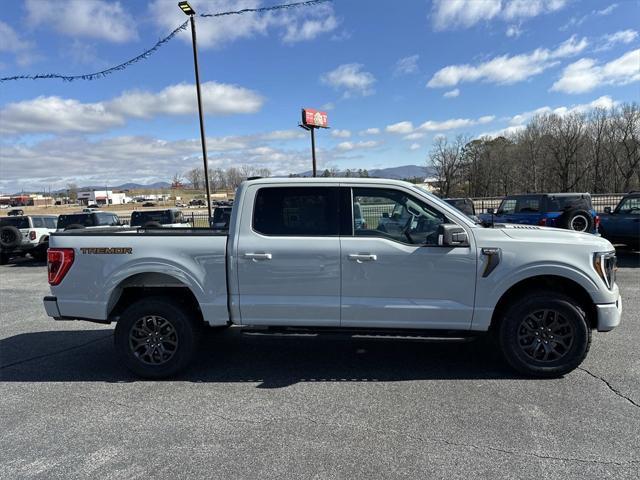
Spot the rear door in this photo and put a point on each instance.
(401, 278)
(288, 256)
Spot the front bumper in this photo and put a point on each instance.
(609, 315)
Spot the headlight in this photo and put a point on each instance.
(606, 266)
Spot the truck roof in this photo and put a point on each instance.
(329, 180)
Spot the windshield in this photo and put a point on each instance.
(18, 222)
(462, 204)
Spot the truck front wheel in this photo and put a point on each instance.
(544, 334)
(155, 338)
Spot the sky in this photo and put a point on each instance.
(391, 75)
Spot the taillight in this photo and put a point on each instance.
(542, 221)
(32, 235)
(59, 261)
(597, 221)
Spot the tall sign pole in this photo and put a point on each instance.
(186, 8)
(311, 120)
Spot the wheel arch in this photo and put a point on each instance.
(555, 283)
(151, 284)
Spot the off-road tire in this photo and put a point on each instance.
(128, 333)
(513, 335)
(10, 236)
(576, 219)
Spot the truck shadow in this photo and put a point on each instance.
(269, 361)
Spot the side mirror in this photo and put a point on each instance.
(490, 211)
(451, 235)
(607, 209)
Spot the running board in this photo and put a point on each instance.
(384, 333)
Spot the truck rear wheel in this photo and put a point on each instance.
(156, 338)
(544, 334)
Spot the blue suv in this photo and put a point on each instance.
(572, 211)
(622, 225)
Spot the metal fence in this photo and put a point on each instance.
(598, 200)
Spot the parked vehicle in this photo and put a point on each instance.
(88, 220)
(571, 211)
(465, 205)
(15, 212)
(22, 235)
(221, 218)
(293, 260)
(622, 225)
(168, 218)
(149, 204)
(197, 202)
(93, 206)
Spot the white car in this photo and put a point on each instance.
(26, 234)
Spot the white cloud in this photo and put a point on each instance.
(11, 42)
(370, 131)
(577, 21)
(60, 160)
(217, 99)
(414, 146)
(348, 146)
(605, 102)
(507, 69)
(84, 18)
(452, 93)
(449, 14)
(463, 13)
(319, 19)
(453, 124)
(58, 115)
(400, 127)
(585, 74)
(607, 10)
(406, 65)
(414, 136)
(513, 31)
(351, 79)
(337, 133)
(299, 24)
(622, 36)
(283, 135)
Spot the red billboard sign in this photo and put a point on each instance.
(314, 118)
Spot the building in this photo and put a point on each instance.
(102, 197)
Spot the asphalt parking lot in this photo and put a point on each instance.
(300, 407)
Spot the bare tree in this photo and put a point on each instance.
(448, 160)
(194, 177)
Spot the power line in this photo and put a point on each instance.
(159, 43)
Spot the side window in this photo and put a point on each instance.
(507, 206)
(394, 215)
(296, 211)
(630, 206)
(50, 222)
(37, 222)
(528, 205)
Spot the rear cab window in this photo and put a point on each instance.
(84, 219)
(296, 211)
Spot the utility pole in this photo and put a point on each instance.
(190, 12)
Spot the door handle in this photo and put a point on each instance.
(363, 257)
(258, 256)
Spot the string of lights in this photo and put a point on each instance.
(159, 44)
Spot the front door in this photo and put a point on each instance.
(394, 274)
(289, 256)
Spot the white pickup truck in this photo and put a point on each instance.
(295, 257)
